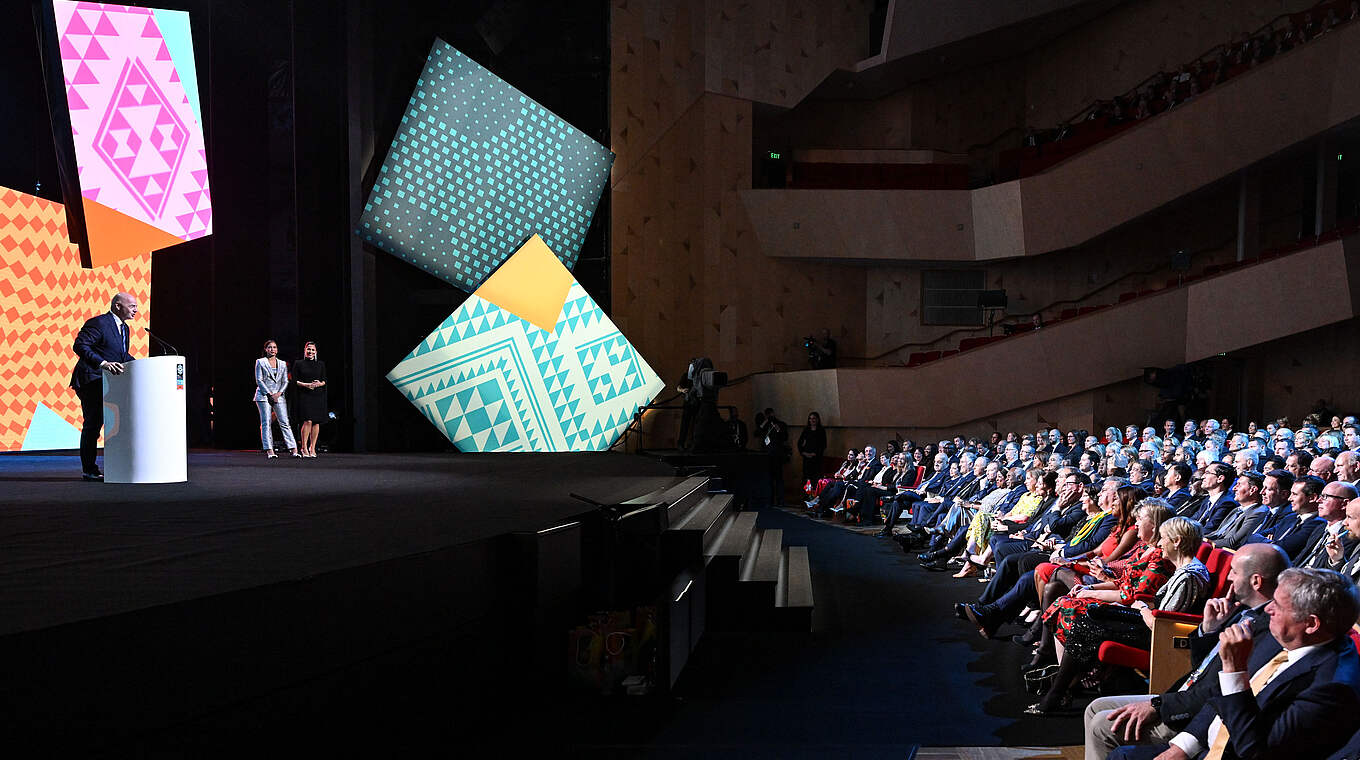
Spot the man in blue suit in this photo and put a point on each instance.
(102, 346)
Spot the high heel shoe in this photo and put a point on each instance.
(968, 571)
(1049, 705)
(1042, 709)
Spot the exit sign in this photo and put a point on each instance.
(776, 156)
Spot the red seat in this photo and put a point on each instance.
(1127, 297)
(1068, 314)
(967, 344)
(948, 353)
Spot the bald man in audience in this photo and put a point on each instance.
(1323, 467)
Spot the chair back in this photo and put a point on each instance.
(1203, 553)
(1218, 563)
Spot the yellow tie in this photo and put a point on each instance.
(1258, 682)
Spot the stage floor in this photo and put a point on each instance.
(72, 550)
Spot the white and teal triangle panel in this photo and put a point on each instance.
(491, 381)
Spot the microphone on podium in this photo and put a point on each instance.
(165, 346)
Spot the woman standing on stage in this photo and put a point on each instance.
(271, 378)
(309, 375)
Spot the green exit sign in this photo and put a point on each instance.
(776, 156)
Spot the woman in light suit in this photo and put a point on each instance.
(271, 378)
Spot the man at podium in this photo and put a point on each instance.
(102, 346)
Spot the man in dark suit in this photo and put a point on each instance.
(1176, 480)
(1140, 718)
(1305, 700)
(1217, 482)
(101, 346)
(1298, 532)
(1250, 513)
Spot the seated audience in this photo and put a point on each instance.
(1081, 629)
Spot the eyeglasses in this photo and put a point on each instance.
(1332, 496)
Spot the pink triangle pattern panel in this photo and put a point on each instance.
(139, 149)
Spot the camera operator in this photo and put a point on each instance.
(821, 355)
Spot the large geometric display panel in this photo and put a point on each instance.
(45, 296)
(476, 168)
(492, 380)
(132, 93)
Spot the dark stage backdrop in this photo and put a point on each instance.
(301, 100)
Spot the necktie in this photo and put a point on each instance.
(1318, 557)
(1258, 682)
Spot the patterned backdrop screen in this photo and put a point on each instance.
(528, 363)
(132, 95)
(476, 167)
(45, 296)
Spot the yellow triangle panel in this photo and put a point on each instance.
(532, 284)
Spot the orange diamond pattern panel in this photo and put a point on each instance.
(45, 296)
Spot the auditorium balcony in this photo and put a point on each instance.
(916, 39)
(1294, 97)
(1077, 371)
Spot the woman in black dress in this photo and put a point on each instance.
(811, 447)
(309, 375)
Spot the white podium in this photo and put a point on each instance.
(144, 428)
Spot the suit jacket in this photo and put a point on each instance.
(1301, 536)
(1350, 564)
(98, 341)
(1179, 707)
(934, 482)
(1068, 520)
(1177, 499)
(1191, 506)
(1051, 520)
(1309, 710)
(1212, 513)
(1316, 554)
(1238, 526)
(1275, 525)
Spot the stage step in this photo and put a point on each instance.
(684, 496)
(705, 520)
(793, 595)
(763, 564)
(737, 538)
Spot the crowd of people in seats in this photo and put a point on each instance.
(1166, 90)
(1079, 540)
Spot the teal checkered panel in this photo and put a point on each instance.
(475, 169)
